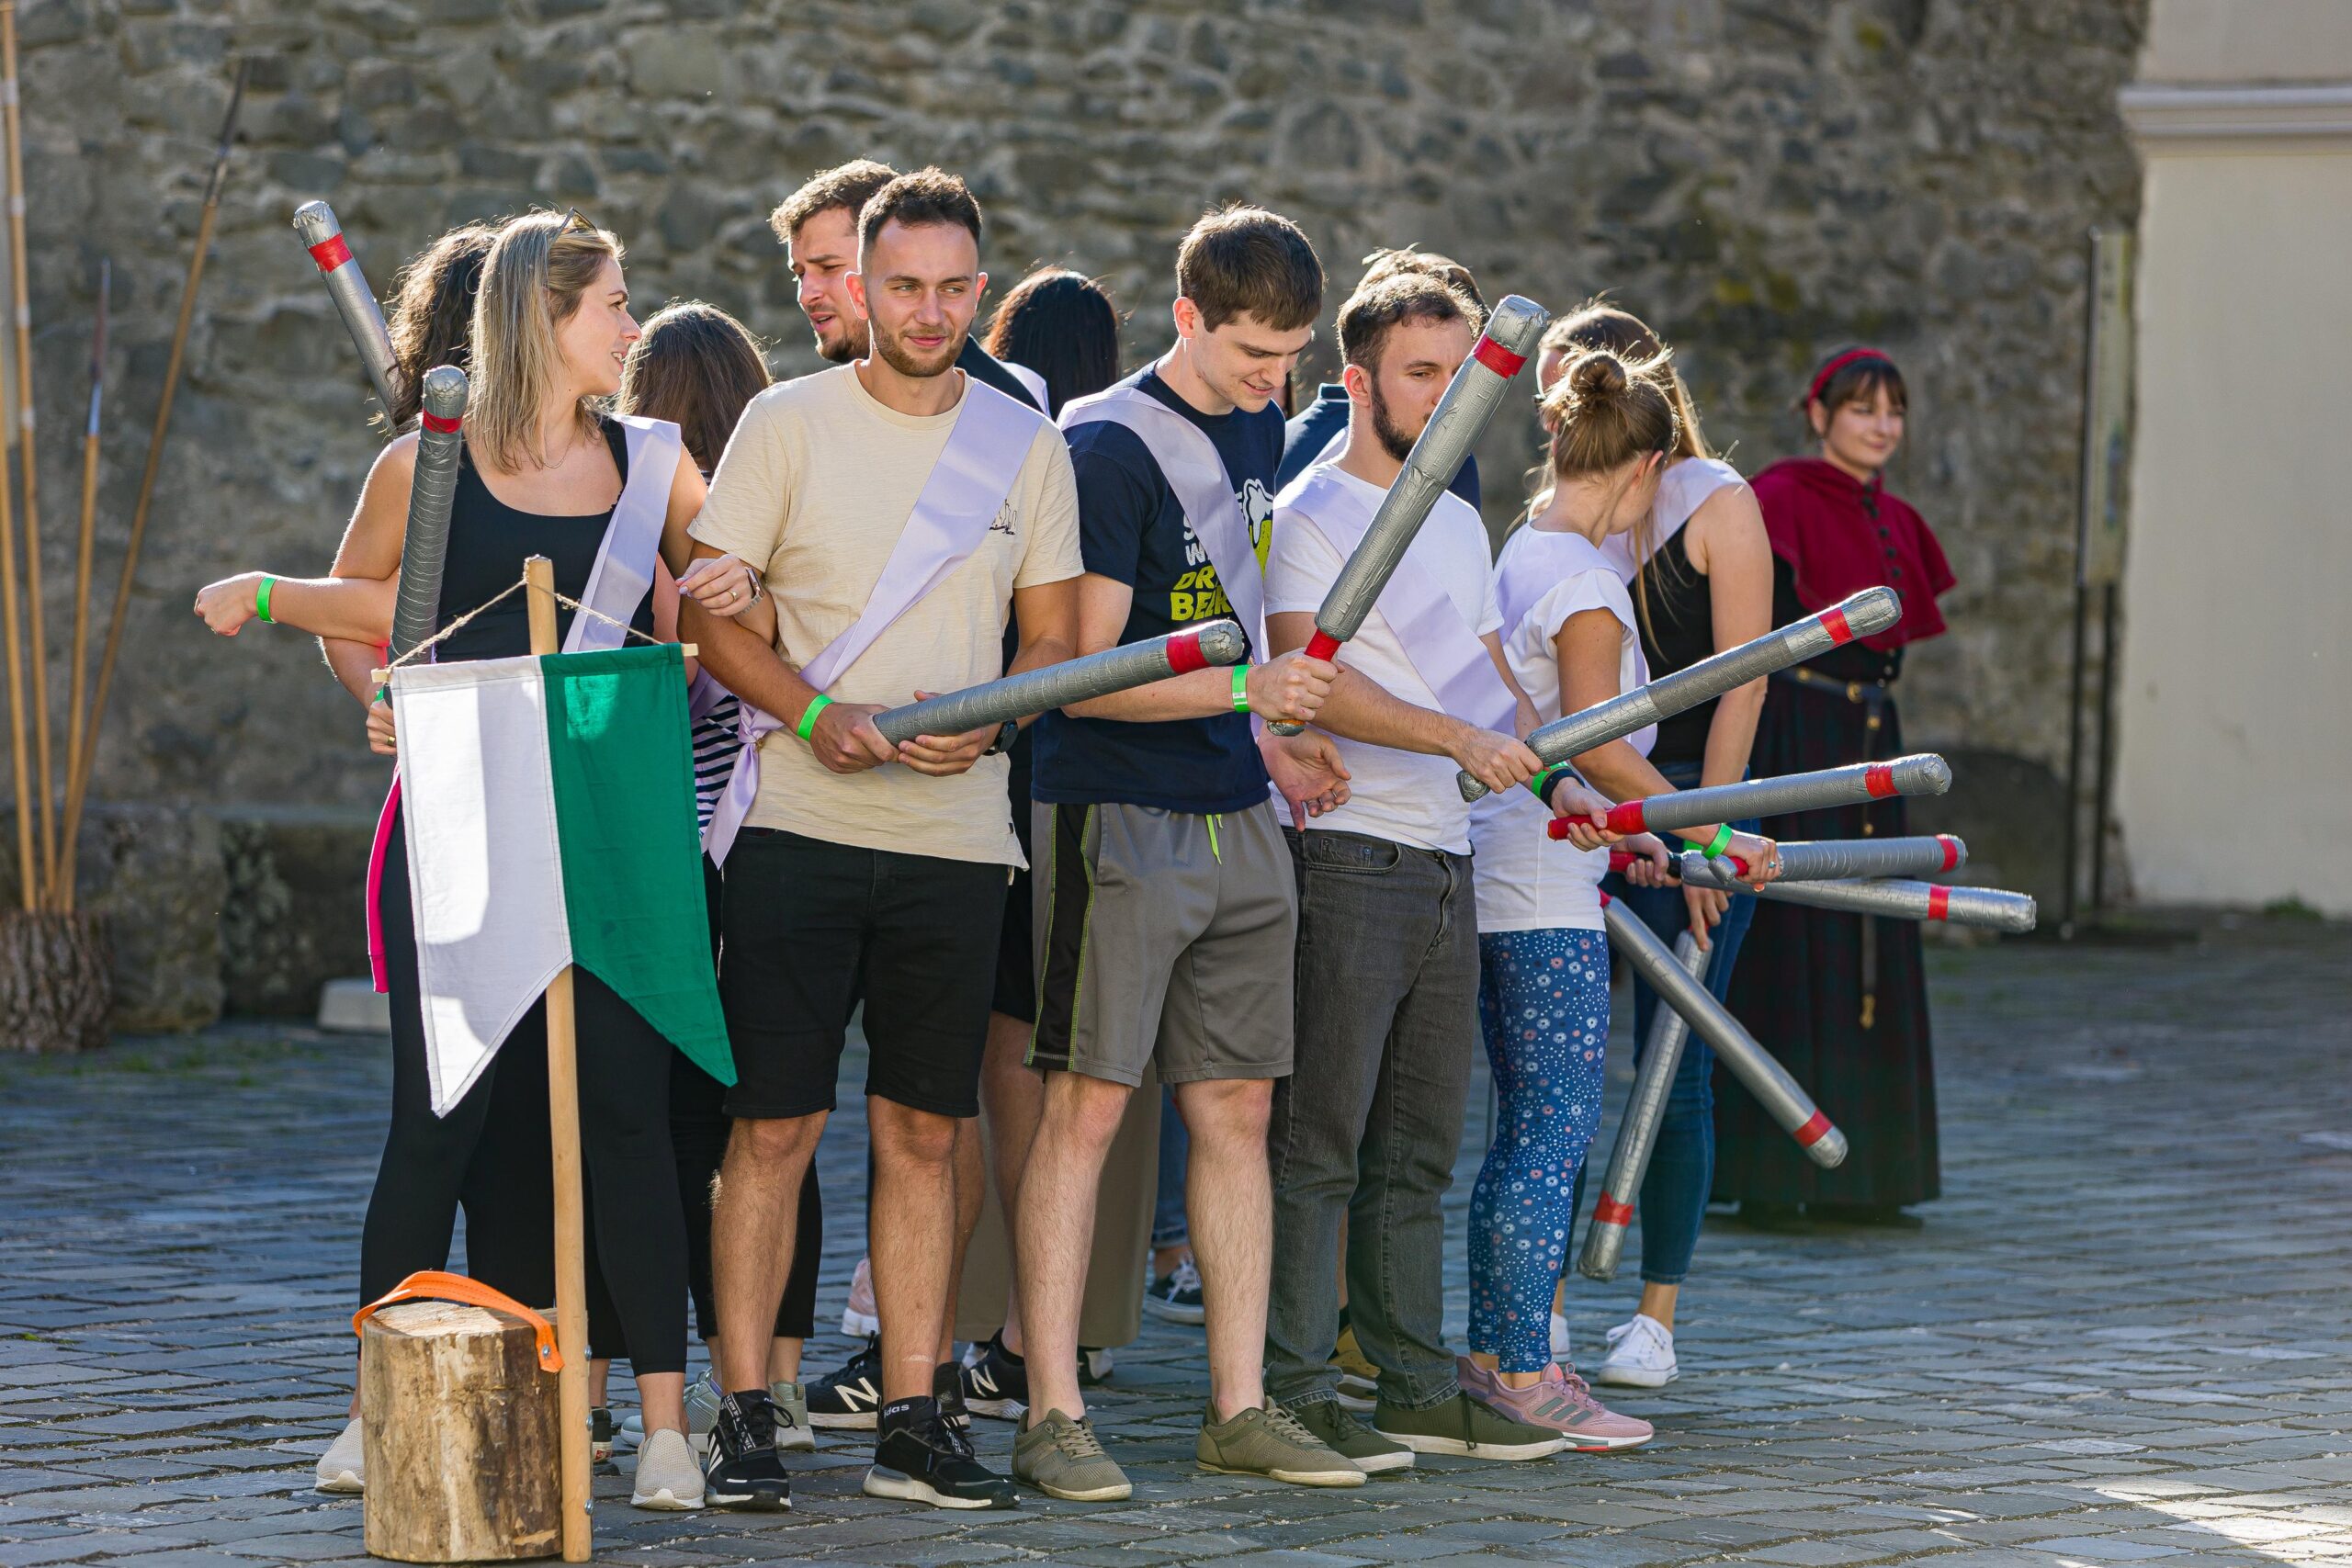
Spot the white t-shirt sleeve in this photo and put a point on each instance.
(1594, 589)
(1490, 608)
(1301, 565)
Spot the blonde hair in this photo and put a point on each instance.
(540, 268)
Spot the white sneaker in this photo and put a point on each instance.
(1560, 1339)
(342, 1469)
(862, 1319)
(1641, 1355)
(668, 1479)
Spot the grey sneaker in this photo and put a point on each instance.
(668, 1480)
(1350, 1438)
(1465, 1425)
(343, 1469)
(1063, 1459)
(1271, 1442)
(793, 1433)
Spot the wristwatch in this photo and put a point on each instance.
(1005, 738)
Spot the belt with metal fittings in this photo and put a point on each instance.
(1855, 691)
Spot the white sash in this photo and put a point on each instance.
(1428, 624)
(623, 574)
(1188, 462)
(968, 482)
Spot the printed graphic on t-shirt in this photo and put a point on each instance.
(1197, 595)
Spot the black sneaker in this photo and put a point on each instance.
(742, 1470)
(998, 1383)
(922, 1459)
(849, 1398)
(947, 1393)
(1176, 1295)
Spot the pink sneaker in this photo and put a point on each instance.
(1561, 1402)
(861, 1318)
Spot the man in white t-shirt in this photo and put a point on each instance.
(1387, 962)
(858, 865)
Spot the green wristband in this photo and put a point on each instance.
(261, 597)
(808, 725)
(1241, 688)
(1542, 783)
(1723, 842)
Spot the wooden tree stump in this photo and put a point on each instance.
(461, 1436)
(56, 982)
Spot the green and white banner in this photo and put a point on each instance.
(550, 809)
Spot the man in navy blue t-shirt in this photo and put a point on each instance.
(1167, 907)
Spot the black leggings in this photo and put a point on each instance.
(625, 1134)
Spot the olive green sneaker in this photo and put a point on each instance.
(1350, 1438)
(1272, 1443)
(1063, 1459)
(1465, 1425)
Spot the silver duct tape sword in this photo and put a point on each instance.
(1857, 615)
(347, 286)
(1512, 334)
(1984, 908)
(1857, 785)
(439, 439)
(992, 703)
(1783, 1098)
(1604, 1238)
(1832, 860)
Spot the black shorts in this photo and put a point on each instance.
(1016, 953)
(809, 926)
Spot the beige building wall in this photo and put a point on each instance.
(2234, 701)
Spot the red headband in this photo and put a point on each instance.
(1821, 377)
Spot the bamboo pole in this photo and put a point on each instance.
(27, 868)
(62, 890)
(77, 784)
(20, 292)
(564, 1125)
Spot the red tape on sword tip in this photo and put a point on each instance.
(1938, 903)
(1812, 1131)
(331, 253)
(1880, 779)
(1185, 654)
(1609, 1211)
(1833, 623)
(1625, 817)
(1498, 359)
(1951, 849)
(441, 426)
(1322, 645)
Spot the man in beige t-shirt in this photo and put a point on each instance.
(864, 868)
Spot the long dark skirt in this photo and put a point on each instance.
(1800, 989)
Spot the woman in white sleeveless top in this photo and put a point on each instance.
(1570, 634)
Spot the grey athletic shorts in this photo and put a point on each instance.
(1163, 936)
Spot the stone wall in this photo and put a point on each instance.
(1762, 179)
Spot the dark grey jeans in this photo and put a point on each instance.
(1370, 1120)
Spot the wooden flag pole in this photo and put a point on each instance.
(563, 1121)
(21, 295)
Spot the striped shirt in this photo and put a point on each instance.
(716, 743)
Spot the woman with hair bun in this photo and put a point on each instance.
(1839, 1000)
(1701, 574)
(1572, 637)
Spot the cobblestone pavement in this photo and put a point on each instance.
(2125, 1335)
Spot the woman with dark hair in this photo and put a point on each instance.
(1062, 330)
(1839, 1000)
(698, 367)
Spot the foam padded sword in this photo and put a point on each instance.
(1119, 669)
(1572, 735)
(439, 438)
(1512, 334)
(347, 286)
